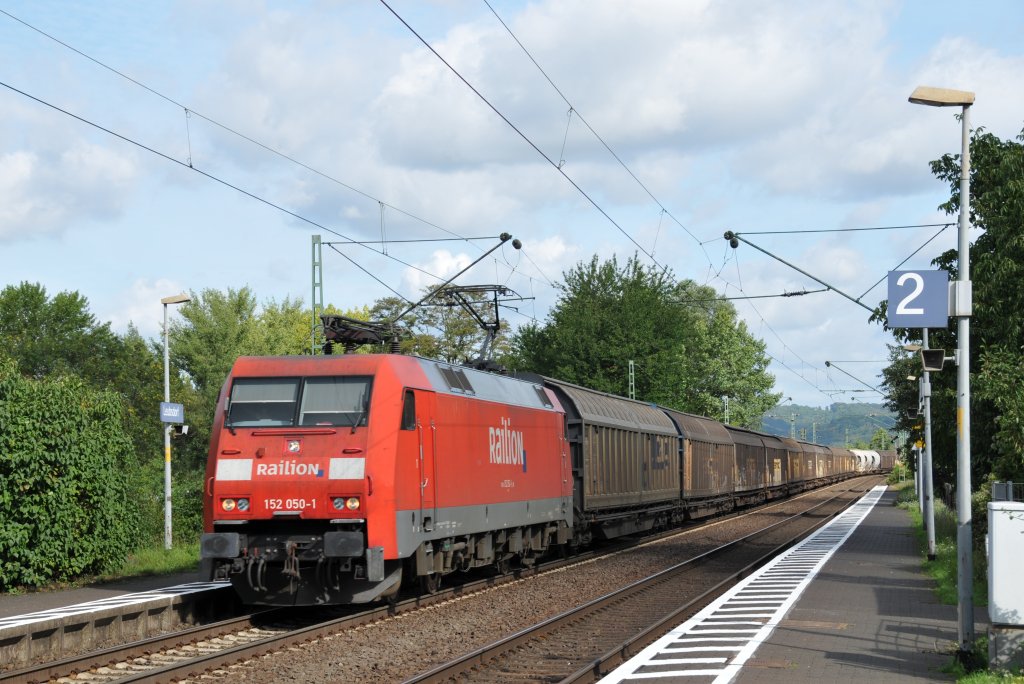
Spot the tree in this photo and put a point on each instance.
(282, 328)
(47, 336)
(688, 349)
(215, 328)
(725, 361)
(881, 440)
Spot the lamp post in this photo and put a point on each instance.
(175, 299)
(942, 97)
(924, 393)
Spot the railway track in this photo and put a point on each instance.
(214, 648)
(580, 644)
(170, 657)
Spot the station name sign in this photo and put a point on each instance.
(172, 413)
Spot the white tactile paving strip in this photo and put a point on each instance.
(712, 646)
(123, 600)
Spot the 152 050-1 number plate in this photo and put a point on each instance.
(289, 504)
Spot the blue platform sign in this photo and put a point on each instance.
(918, 299)
(172, 413)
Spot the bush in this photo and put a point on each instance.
(65, 460)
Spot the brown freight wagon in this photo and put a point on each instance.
(708, 461)
(751, 465)
(625, 455)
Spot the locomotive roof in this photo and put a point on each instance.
(412, 371)
(460, 380)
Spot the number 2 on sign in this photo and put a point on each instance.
(902, 308)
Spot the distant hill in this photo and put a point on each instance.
(848, 425)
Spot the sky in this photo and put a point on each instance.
(153, 148)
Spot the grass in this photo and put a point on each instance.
(944, 568)
(944, 571)
(157, 561)
(990, 677)
(146, 562)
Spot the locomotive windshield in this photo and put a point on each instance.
(288, 402)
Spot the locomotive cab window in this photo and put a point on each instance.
(343, 401)
(263, 402)
(287, 402)
(409, 411)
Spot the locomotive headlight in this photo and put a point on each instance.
(243, 505)
(228, 504)
(342, 503)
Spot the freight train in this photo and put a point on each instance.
(337, 479)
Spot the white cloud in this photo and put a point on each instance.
(47, 190)
(442, 264)
(140, 305)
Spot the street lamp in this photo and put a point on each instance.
(942, 97)
(175, 299)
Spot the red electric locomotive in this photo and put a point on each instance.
(331, 478)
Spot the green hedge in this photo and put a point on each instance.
(64, 467)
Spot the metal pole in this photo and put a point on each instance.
(918, 477)
(928, 486)
(965, 564)
(167, 443)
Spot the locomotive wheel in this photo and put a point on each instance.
(503, 566)
(430, 583)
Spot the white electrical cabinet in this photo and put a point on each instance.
(1005, 562)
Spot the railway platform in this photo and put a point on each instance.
(850, 604)
(14, 606)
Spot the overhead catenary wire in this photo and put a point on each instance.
(367, 272)
(189, 112)
(765, 323)
(572, 109)
(210, 176)
(522, 135)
